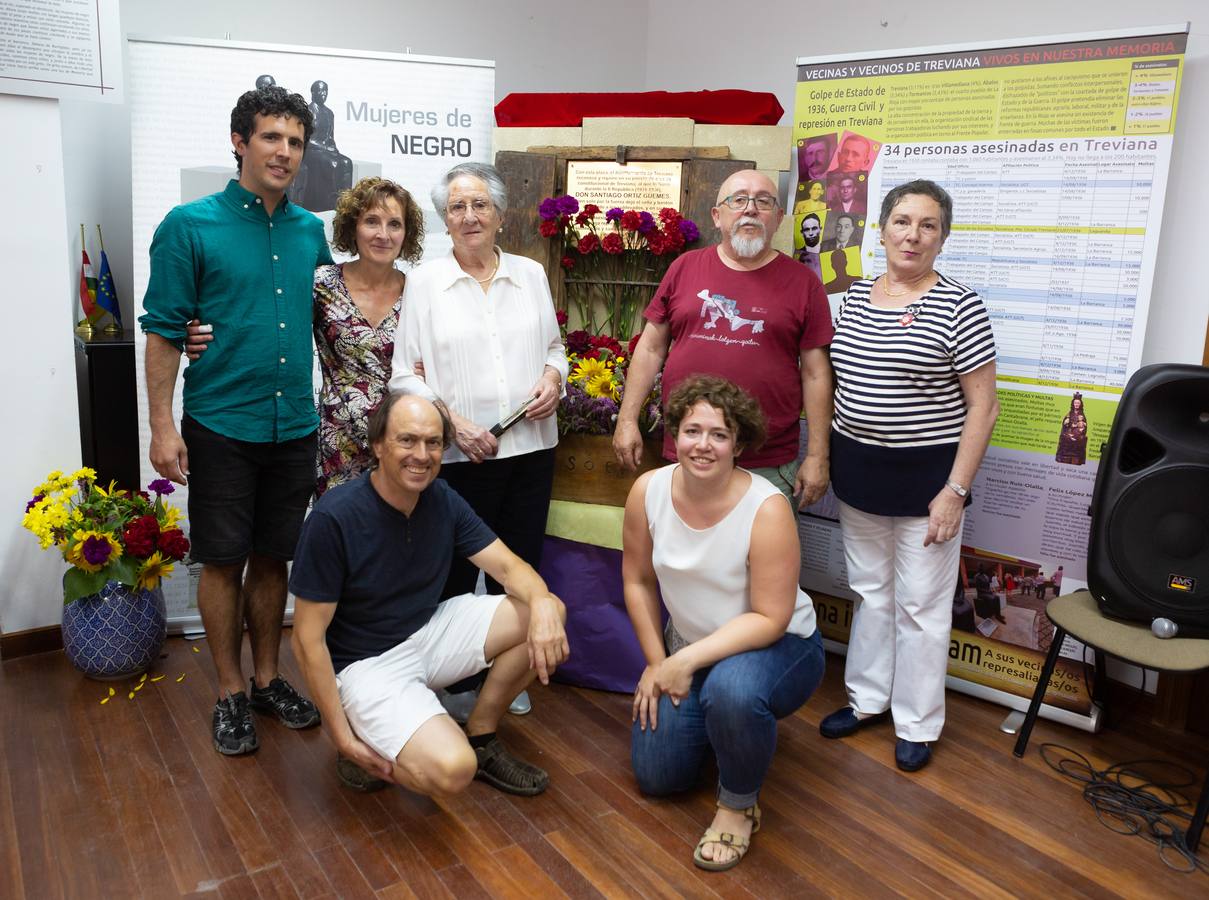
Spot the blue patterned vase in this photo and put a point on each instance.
(115, 633)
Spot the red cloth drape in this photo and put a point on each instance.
(728, 107)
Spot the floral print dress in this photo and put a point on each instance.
(354, 358)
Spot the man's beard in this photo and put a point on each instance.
(811, 241)
(748, 247)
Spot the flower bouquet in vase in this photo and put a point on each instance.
(119, 545)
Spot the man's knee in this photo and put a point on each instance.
(441, 776)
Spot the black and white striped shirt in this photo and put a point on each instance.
(896, 370)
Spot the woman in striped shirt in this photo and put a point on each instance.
(915, 403)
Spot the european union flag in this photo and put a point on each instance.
(107, 293)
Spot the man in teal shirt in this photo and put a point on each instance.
(242, 260)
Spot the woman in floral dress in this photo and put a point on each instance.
(357, 307)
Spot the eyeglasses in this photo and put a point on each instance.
(738, 202)
(458, 210)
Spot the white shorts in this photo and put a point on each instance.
(388, 697)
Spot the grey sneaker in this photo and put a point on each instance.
(280, 699)
(234, 731)
(459, 706)
(521, 706)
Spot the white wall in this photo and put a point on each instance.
(37, 362)
(789, 29)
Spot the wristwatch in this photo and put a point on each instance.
(959, 490)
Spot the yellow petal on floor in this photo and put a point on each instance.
(130, 696)
(103, 702)
(195, 650)
(112, 692)
(182, 678)
(157, 678)
(139, 686)
(144, 678)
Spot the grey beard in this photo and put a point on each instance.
(744, 247)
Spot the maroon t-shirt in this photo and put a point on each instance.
(748, 327)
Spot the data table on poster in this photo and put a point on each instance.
(1054, 244)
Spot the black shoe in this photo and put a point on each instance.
(911, 756)
(844, 722)
(280, 699)
(234, 732)
(353, 776)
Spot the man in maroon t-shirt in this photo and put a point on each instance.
(748, 313)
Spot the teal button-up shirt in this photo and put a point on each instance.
(222, 260)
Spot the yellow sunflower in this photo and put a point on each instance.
(587, 369)
(150, 572)
(92, 550)
(602, 385)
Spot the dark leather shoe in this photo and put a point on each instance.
(911, 756)
(844, 722)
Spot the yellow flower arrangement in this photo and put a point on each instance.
(105, 533)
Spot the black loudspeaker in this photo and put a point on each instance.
(1149, 550)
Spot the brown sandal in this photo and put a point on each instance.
(739, 844)
(502, 770)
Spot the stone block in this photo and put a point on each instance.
(783, 239)
(634, 132)
(769, 145)
(522, 139)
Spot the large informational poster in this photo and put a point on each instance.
(407, 118)
(61, 48)
(1056, 153)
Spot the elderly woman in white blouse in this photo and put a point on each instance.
(480, 325)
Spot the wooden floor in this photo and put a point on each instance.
(129, 799)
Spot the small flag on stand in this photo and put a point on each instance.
(88, 283)
(107, 293)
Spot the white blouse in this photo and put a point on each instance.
(482, 352)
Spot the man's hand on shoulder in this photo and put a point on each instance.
(547, 639)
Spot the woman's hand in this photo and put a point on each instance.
(197, 336)
(646, 699)
(675, 676)
(944, 516)
(545, 396)
(475, 441)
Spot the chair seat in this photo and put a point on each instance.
(1078, 615)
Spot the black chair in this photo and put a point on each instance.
(1077, 615)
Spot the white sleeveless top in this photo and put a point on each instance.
(703, 573)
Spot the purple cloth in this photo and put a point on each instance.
(604, 651)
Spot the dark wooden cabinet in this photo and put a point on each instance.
(108, 396)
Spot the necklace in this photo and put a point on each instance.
(494, 269)
(907, 290)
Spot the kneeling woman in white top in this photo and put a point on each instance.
(740, 649)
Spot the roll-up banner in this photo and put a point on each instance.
(404, 117)
(1055, 151)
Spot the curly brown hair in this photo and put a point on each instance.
(740, 410)
(367, 194)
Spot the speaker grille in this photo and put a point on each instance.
(1159, 528)
(1138, 451)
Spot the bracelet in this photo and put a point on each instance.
(959, 490)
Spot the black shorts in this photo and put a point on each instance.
(246, 497)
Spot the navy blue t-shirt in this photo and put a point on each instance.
(384, 570)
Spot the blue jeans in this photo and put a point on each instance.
(732, 708)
